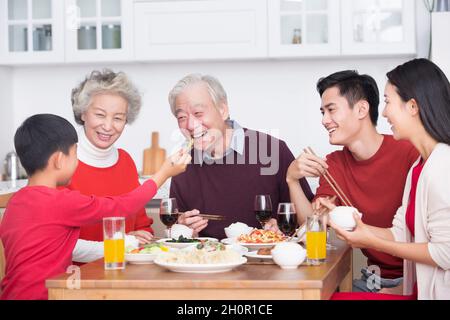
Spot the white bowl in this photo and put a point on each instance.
(178, 230)
(238, 248)
(343, 217)
(234, 230)
(288, 255)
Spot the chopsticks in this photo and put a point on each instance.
(332, 183)
(212, 217)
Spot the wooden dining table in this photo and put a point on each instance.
(255, 280)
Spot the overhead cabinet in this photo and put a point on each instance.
(200, 29)
(71, 31)
(99, 30)
(31, 31)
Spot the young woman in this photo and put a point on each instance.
(417, 98)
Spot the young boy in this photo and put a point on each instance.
(41, 223)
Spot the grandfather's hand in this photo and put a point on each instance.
(272, 225)
(143, 236)
(306, 165)
(193, 221)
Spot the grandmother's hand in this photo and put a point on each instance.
(143, 236)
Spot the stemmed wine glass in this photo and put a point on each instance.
(168, 213)
(287, 218)
(263, 208)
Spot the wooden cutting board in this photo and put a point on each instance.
(153, 157)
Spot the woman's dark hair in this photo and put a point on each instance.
(423, 81)
(39, 137)
(353, 87)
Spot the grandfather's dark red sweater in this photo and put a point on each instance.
(229, 185)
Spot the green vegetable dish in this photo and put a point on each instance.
(182, 239)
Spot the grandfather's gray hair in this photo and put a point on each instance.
(213, 85)
(105, 82)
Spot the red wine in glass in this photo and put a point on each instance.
(287, 223)
(287, 218)
(169, 219)
(168, 213)
(263, 216)
(263, 208)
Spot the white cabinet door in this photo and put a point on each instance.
(440, 40)
(377, 27)
(304, 28)
(99, 30)
(181, 30)
(31, 31)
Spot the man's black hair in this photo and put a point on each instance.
(353, 87)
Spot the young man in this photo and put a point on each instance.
(42, 223)
(371, 169)
(231, 164)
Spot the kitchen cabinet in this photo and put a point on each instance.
(185, 30)
(98, 30)
(32, 31)
(71, 31)
(377, 27)
(303, 28)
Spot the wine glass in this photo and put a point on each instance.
(263, 208)
(287, 218)
(168, 213)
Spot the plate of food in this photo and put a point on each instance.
(258, 239)
(263, 253)
(205, 257)
(182, 242)
(145, 254)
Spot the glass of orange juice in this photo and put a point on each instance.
(316, 239)
(114, 242)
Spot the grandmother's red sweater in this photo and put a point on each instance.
(111, 181)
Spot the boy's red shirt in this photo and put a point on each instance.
(41, 226)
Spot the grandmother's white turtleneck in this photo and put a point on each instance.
(93, 156)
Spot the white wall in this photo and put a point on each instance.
(6, 113)
(266, 95)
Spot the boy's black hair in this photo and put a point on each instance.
(39, 137)
(354, 87)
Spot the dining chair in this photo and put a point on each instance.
(4, 198)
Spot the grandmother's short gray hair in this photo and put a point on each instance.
(105, 82)
(213, 85)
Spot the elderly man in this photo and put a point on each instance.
(231, 164)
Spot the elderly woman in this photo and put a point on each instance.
(103, 104)
(417, 97)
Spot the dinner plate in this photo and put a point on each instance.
(250, 246)
(181, 245)
(200, 268)
(254, 254)
(140, 258)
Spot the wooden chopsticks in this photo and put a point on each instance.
(212, 216)
(332, 183)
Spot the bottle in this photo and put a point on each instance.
(12, 168)
(297, 38)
